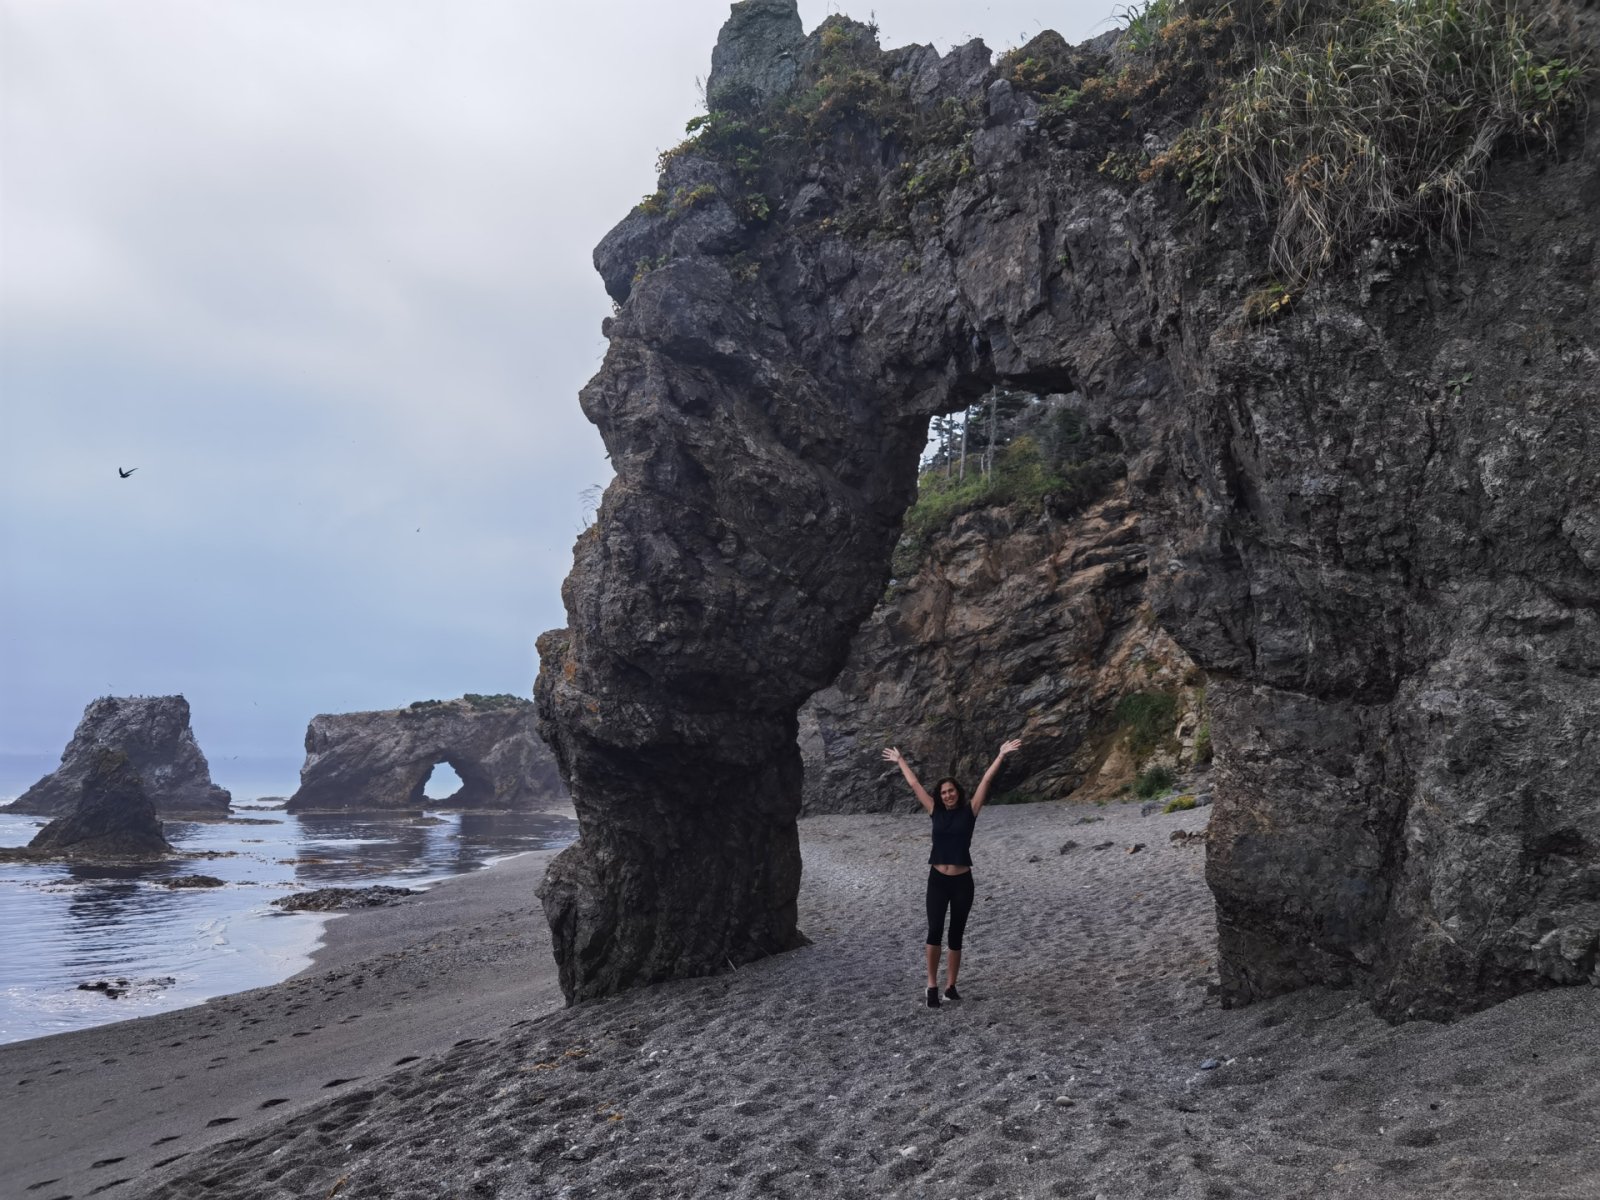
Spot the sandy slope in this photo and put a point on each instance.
(1072, 1069)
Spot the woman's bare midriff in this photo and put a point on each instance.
(947, 869)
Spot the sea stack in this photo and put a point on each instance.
(153, 733)
(114, 817)
(384, 759)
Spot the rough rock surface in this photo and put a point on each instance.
(1016, 625)
(338, 899)
(754, 58)
(114, 817)
(1374, 521)
(384, 759)
(154, 732)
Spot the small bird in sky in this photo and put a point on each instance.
(124, 474)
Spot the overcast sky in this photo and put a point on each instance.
(320, 270)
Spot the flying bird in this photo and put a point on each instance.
(121, 474)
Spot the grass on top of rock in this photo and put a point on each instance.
(1180, 804)
(482, 703)
(1353, 118)
(847, 84)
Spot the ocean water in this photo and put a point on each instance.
(62, 925)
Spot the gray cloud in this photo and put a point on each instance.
(320, 270)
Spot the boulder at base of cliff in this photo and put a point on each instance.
(114, 817)
(154, 733)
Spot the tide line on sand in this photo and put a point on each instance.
(425, 1054)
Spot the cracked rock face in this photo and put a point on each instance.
(1016, 623)
(1371, 520)
(154, 733)
(383, 760)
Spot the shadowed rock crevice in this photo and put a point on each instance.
(1371, 518)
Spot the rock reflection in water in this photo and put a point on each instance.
(90, 921)
(341, 847)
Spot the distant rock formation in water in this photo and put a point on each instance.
(383, 759)
(154, 733)
(114, 817)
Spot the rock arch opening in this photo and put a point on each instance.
(1316, 515)
(443, 782)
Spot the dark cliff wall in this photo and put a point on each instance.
(1370, 514)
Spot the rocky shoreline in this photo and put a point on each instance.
(426, 1053)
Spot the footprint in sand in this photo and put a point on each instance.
(171, 1137)
(167, 1162)
(274, 1102)
(34, 1187)
(340, 1082)
(410, 1058)
(106, 1187)
(220, 1121)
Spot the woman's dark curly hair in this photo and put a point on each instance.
(938, 789)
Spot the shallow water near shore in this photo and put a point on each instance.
(66, 924)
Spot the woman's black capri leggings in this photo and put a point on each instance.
(953, 892)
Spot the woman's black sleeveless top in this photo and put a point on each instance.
(952, 835)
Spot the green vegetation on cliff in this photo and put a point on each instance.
(1032, 458)
(1348, 118)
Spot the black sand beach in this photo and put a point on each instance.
(426, 1054)
(134, 1101)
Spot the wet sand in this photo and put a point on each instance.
(135, 1100)
(1073, 1067)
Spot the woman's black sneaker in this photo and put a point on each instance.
(950, 993)
(933, 997)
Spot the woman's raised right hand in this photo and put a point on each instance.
(891, 754)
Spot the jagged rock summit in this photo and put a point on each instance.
(755, 58)
(379, 760)
(1368, 505)
(113, 818)
(154, 733)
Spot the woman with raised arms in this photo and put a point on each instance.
(950, 885)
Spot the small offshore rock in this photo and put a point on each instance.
(1104, 845)
(1068, 847)
(106, 987)
(1065, 1102)
(1135, 848)
(113, 818)
(1210, 1064)
(335, 899)
(192, 881)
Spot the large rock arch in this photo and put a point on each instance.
(378, 760)
(1396, 608)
